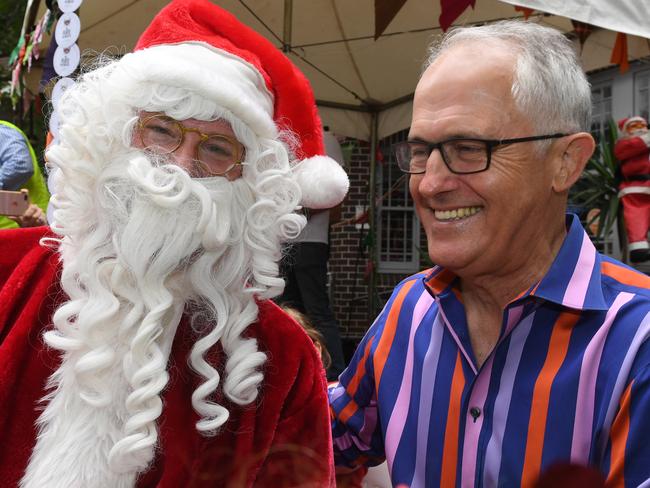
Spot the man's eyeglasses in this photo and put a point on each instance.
(461, 156)
(216, 154)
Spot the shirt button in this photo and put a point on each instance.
(475, 412)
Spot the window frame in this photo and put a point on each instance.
(402, 203)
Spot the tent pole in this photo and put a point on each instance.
(372, 210)
(286, 31)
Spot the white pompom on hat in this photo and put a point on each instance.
(199, 45)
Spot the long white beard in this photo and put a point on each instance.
(128, 280)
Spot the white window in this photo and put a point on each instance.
(601, 98)
(641, 94)
(398, 228)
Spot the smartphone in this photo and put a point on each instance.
(14, 203)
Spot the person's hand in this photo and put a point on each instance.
(32, 217)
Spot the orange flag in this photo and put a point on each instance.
(619, 53)
(525, 10)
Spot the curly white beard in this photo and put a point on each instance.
(149, 241)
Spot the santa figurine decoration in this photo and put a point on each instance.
(633, 151)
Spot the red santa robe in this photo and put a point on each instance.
(282, 440)
(634, 190)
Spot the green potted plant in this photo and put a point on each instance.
(597, 188)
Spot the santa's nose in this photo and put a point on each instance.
(185, 155)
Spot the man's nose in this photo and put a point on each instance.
(437, 176)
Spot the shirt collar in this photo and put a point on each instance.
(573, 280)
(439, 280)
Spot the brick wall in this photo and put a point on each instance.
(349, 256)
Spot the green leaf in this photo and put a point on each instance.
(598, 185)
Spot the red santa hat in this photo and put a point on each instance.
(196, 44)
(623, 123)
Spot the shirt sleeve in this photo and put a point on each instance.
(628, 449)
(16, 165)
(356, 429)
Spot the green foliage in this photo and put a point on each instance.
(347, 148)
(11, 20)
(598, 185)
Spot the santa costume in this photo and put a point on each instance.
(138, 343)
(633, 152)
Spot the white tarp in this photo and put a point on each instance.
(628, 16)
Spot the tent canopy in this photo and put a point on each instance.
(353, 75)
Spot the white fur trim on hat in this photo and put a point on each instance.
(214, 74)
(636, 118)
(323, 182)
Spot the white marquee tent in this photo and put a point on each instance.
(364, 86)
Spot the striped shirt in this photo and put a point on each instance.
(569, 380)
(16, 165)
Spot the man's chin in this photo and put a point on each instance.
(454, 257)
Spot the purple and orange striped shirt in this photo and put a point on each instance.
(569, 380)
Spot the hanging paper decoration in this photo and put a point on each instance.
(525, 10)
(385, 12)
(619, 53)
(379, 156)
(582, 31)
(66, 55)
(450, 10)
(25, 53)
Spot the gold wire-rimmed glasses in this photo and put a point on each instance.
(216, 154)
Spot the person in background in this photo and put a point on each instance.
(523, 347)
(139, 346)
(632, 149)
(19, 169)
(313, 333)
(304, 267)
(34, 216)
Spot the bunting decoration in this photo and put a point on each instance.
(619, 53)
(66, 56)
(27, 51)
(582, 31)
(450, 10)
(385, 12)
(524, 10)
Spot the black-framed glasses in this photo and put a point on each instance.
(216, 154)
(461, 156)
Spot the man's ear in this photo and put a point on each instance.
(577, 149)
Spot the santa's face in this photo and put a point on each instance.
(636, 128)
(202, 148)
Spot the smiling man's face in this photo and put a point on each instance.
(478, 223)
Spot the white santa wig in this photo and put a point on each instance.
(140, 240)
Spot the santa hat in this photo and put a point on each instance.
(623, 123)
(196, 44)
